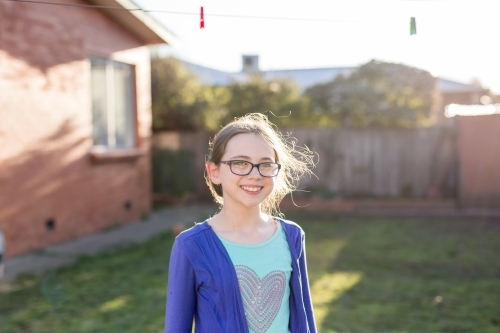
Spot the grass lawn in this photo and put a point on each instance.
(366, 275)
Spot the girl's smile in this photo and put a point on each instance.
(252, 190)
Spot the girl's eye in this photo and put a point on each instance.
(266, 165)
(240, 164)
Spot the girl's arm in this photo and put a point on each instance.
(181, 294)
(305, 288)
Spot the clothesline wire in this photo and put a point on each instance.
(187, 13)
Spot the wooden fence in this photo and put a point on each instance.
(382, 162)
(178, 163)
(351, 162)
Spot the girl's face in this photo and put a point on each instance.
(250, 190)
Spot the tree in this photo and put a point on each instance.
(179, 100)
(378, 94)
(280, 98)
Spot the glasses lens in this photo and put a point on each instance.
(240, 167)
(269, 169)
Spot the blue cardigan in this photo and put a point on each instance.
(202, 283)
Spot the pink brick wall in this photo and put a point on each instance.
(479, 160)
(45, 126)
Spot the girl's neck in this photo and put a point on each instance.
(241, 218)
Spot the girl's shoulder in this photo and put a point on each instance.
(198, 228)
(296, 235)
(291, 228)
(288, 223)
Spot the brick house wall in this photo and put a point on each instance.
(479, 160)
(47, 177)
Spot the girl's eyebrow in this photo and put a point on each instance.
(246, 157)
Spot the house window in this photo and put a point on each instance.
(113, 112)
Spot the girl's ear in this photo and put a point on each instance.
(213, 172)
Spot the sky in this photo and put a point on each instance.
(455, 39)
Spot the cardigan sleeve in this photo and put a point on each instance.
(306, 292)
(181, 294)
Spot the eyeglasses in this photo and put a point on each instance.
(243, 168)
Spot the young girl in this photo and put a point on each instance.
(244, 270)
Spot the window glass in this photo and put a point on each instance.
(99, 103)
(123, 106)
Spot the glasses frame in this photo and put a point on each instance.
(251, 169)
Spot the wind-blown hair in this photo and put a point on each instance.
(295, 160)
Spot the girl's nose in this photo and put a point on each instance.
(254, 173)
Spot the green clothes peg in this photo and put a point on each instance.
(413, 26)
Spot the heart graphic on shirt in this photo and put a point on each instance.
(261, 298)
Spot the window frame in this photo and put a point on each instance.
(100, 153)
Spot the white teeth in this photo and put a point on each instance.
(251, 189)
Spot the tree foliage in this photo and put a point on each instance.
(181, 102)
(281, 99)
(378, 94)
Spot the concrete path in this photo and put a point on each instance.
(66, 253)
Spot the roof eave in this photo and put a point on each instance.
(137, 22)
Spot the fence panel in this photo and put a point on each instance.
(352, 162)
(382, 162)
(178, 163)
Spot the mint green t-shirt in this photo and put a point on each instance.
(263, 272)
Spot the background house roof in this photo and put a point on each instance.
(137, 22)
(306, 78)
(453, 110)
(457, 87)
(209, 76)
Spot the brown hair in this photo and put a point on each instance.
(294, 160)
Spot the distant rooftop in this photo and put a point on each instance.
(453, 110)
(305, 78)
(453, 86)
